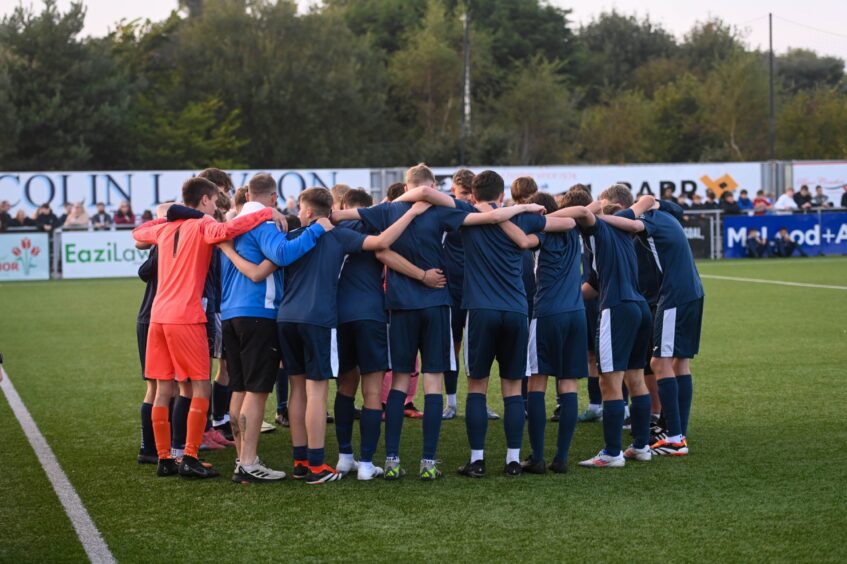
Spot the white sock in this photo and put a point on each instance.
(625, 411)
(451, 400)
(177, 452)
(674, 439)
(513, 455)
(595, 407)
(366, 467)
(222, 421)
(342, 457)
(476, 455)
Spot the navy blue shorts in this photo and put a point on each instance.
(491, 334)
(592, 314)
(676, 332)
(458, 316)
(141, 335)
(307, 350)
(426, 330)
(558, 347)
(623, 337)
(363, 345)
(647, 368)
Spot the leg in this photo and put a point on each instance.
(394, 413)
(159, 417)
(316, 392)
(669, 392)
(682, 370)
(613, 410)
(567, 418)
(514, 415)
(297, 416)
(371, 419)
(148, 439)
(179, 418)
(250, 423)
(476, 418)
(198, 414)
(348, 382)
(281, 394)
(433, 409)
(221, 394)
(640, 407)
(536, 414)
(235, 404)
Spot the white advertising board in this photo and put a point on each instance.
(148, 188)
(651, 179)
(24, 256)
(100, 254)
(830, 175)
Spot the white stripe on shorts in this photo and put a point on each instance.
(454, 362)
(388, 340)
(465, 342)
(668, 332)
(607, 358)
(333, 352)
(532, 349)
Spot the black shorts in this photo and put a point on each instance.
(252, 353)
(427, 330)
(362, 344)
(141, 335)
(557, 349)
(307, 350)
(491, 334)
(623, 336)
(214, 334)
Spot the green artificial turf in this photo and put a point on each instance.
(765, 479)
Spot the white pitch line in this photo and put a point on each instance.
(91, 539)
(777, 282)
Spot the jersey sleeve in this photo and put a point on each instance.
(176, 212)
(147, 232)
(649, 223)
(148, 268)
(672, 208)
(530, 222)
(376, 218)
(451, 219)
(283, 251)
(214, 232)
(627, 213)
(351, 241)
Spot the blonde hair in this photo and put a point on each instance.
(418, 175)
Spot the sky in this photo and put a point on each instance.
(810, 24)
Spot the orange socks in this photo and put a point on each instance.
(197, 417)
(161, 431)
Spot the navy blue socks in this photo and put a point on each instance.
(315, 456)
(148, 441)
(476, 420)
(394, 422)
(344, 412)
(179, 422)
(686, 391)
(594, 395)
(281, 390)
(220, 400)
(669, 396)
(451, 382)
(640, 413)
(513, 420)
(613, 416)
(433, 406)
(568, 407)
(369, 427)
(299, 452)
(536, 420)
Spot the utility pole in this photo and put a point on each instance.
(466, 84)
(772, 113)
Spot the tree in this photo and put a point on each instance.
(69, 98)
(709, 43)
(618, 131)
(813, 125)
(801, 69)
(536, 114)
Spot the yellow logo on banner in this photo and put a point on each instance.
(725, 183)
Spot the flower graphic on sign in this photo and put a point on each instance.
(25, 255)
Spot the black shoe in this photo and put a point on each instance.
(556, 413)
(657, 432)
(190, 467)
(558, 466)
(226, 431)
(329, 418)
(167, 467)
(513, 469)
(300, 471)
(475, 469)
(533, 466)
(145, 458)
(324, 475)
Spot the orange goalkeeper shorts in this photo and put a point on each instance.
(177, 352)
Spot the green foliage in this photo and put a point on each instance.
(379, 83)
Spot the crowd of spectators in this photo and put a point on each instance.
(74, 216)
(764, 203)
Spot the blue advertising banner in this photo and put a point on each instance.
(816, 234)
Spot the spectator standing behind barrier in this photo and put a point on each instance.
(756, 246)
(45, 219)
(667, 194)
(820, 200)
(21, 220)
(711, 203)
(786, 201)
(744, 202)
(728, 204)
(101, 220)
(844, 197)
(146, 216)
(804, 198)
(761, 204)
(78, 218)
(124, 215)
(784, 246)
(5, 218)
(696, 202)
(62, 218)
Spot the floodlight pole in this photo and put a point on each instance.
(772, 113)
(466, 84)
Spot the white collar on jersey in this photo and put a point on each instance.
(250, 207)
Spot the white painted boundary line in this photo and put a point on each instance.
(91, 539)
(777, 282)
